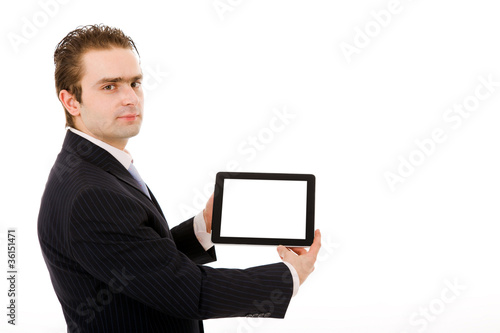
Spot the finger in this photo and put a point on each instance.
(316, 245)
(282, 251)
(298, 250)
(210, 203)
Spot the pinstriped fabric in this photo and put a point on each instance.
(116, 266)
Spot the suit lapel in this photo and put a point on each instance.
(99, 157)
(153, 199)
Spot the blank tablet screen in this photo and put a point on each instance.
(250, 210)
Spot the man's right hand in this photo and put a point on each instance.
(301, 259)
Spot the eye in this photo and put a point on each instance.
(136, 84)
(109, 87)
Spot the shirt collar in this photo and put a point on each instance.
(122, 156)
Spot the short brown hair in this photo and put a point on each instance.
(69, 52)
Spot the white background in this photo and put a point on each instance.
(215, 81)
(264, 209)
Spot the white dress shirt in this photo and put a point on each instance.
(200, 229)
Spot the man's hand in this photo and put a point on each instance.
(207, 213)
(301, 259)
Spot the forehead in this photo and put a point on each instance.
(115, 62)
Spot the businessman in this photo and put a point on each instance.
(114, 262)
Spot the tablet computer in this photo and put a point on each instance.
(263, 208)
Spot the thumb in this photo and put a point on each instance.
(282, 251)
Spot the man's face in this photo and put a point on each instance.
(111, 107)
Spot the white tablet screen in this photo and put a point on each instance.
(264, 208)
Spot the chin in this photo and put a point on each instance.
(131, 131)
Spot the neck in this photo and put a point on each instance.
(118, 143)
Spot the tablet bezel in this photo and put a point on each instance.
(217, 209)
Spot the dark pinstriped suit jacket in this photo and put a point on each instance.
(116, 266)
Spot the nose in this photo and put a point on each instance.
(129, 96)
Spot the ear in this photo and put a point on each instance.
(70, 103)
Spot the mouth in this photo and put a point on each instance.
(129, 117)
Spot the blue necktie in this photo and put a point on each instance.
(133, 171)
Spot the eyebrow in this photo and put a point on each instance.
(118, 79)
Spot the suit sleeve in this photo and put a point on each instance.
(111, 238)
(186, 242)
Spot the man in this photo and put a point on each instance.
(114, 263)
